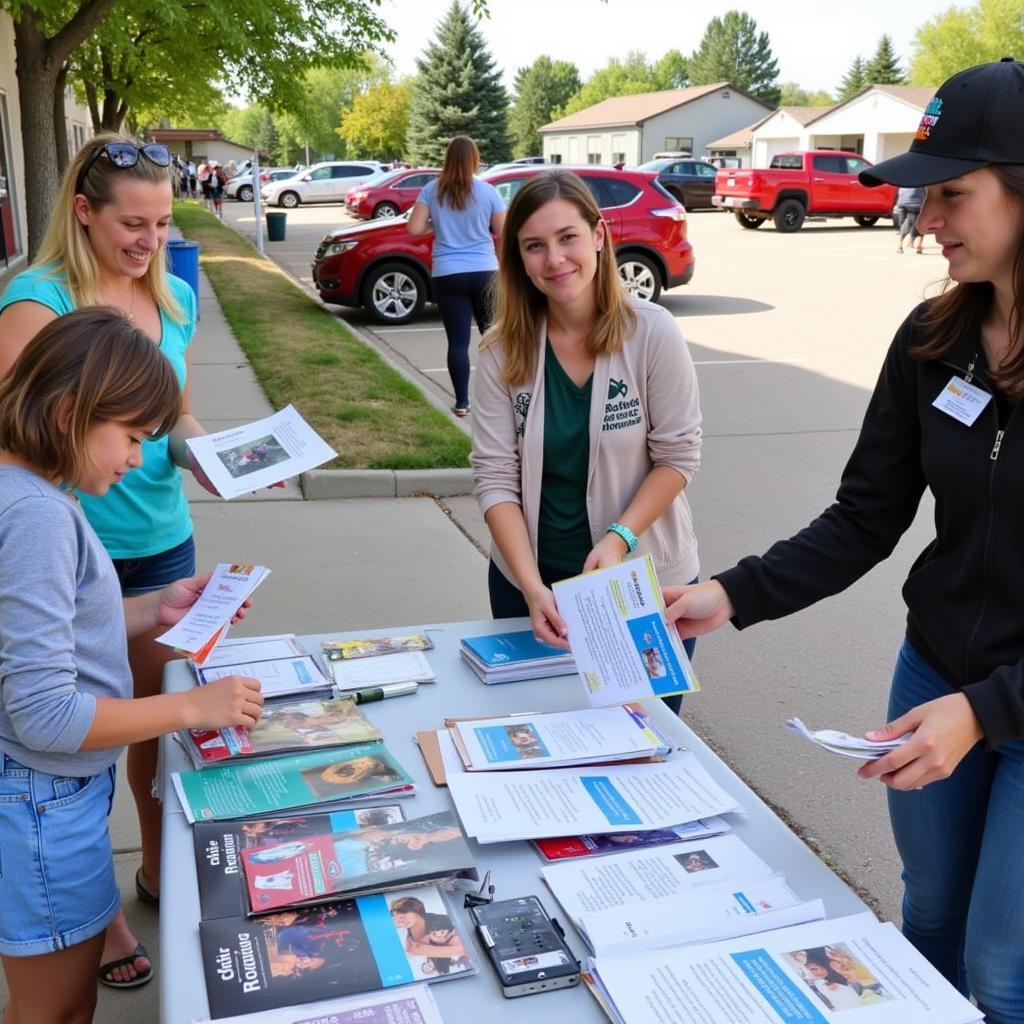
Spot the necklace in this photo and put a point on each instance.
(131, 302)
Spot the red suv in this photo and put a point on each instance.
(381, 267)
(388, 194)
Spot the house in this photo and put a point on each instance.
(782, 130)
(200, 144)
(631, 129)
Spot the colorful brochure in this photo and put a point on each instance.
(509, 657)
(573, 847)
(258, 454)
(371, 647)
(279, 677)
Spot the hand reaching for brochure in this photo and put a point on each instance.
(176, 599)
(548, 626)
(944, 730)
(609, 550)
(227, 702)
(697, 608)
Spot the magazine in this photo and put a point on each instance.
(264, 786)
(371, 647)
(283, 728)
(219, 847)
(509, 657)
(278, 677)
(303, 872)
(337, 949)
(571, 847)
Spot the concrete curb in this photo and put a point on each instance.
(385, 483)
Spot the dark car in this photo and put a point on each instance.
(692, 182)
(380, 266)
(388, 194)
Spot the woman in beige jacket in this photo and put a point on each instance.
(586, 416)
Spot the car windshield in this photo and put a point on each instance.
(655, 165)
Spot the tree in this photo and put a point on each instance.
(884, 68)
(792, 95)
(733, 50)
(625, 77)
(854, 81)
(458, 91)
(377, 123)
(672, 71)
(540, 90)
(963, 37)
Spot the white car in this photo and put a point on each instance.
(321, 183)
(240, 186)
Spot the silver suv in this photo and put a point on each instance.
(321, 183)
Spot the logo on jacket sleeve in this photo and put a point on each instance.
(522, 407)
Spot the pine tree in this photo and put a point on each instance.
(541, 89)
(884, 68)
(733, 50)
(457, 91)
(853, 81)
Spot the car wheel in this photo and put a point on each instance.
(866, 222)
(789, 215)
(746, 221)
(385, 210)
(640, 276)
(394, 293)
(245, 194)
(289, 200)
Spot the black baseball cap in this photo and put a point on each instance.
(975, 119)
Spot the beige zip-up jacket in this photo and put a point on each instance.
(644, 412)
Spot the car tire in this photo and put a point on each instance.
(746, 221)
(393, 293)
(789, 215)
(289, 200)
(385, 210)
(866, 222)
(640, 276)
(244, 194)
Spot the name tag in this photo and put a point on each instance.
(962, 401)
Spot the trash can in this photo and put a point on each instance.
(183, 262)
(276, 221)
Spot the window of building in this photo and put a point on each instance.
(593, 158)
(554, 158)
(593, 149)
(679, 143)
(618, 158)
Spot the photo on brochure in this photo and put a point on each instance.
(248, 458)
(511, 742)
(837, 977)
(343, 778)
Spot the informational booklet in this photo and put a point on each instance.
(413, 1004)
(279, 677)
(572, 847)
(509, 657)
(366, 944)
(267, 785)
(846, 970)
(559, 738)
(234, 649)
(317, 869)
(711, 914)
(206, 622)
(845, 745)
(283, 728)
(498, 807)
(261, 453)
(406, 667)
(219, 846)
(623, 647)
(371, 647)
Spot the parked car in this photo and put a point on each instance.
(692, 182)
(240, 186)
(522, 161)
(796, 185)
(321, 183)
(388, 194)
(378, 265)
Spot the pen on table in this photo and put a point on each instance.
(381, 692)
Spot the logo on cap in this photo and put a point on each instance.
(932, 113)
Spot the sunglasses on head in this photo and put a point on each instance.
(126, 154)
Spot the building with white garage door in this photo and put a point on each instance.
(782, 131)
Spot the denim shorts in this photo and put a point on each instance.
(57, 885)
(154, 572)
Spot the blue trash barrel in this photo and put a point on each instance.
(183, 262)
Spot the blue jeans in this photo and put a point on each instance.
(961, 841)
(154, 572)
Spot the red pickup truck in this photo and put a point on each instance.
(817, 183)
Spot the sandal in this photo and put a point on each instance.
(460, 410)
(144, 894)
(141, 977)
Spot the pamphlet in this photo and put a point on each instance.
(846, 969)
(234, 649)
(280, 677)
(198, 631)
(414, 1004)
(406, 667)
(623, 647)
(509, 657)
(370, 647)
(337, 949)
(845, 745)
(571, 847)
(268, 785)
(497, 807)
(267, 451)
(219, 847)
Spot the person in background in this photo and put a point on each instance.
(908, 206)
(586, 415)
(944, 417)
(464, 214)
(217, 181)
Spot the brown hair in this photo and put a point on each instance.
(89, 366)
(408, 904)
(455, 182)
(521, 307)
(961, 307)
(66, 242)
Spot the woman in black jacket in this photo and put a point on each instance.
(943, 416)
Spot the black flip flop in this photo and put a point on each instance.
(141, 978)
(144, 895)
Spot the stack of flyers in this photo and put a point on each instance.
(845, 745)
(570, 847)
(360, 673)
(371, 647)
(278, 677)
(413, 1005)
(509, 657)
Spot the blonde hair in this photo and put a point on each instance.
(66, 242)
(455, 182)
(521, 307)
(105, 367)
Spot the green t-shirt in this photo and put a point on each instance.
(563, 531)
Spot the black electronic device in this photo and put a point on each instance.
(525, 946)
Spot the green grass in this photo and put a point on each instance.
(370, 414)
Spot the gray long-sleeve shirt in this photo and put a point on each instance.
(62, 631)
